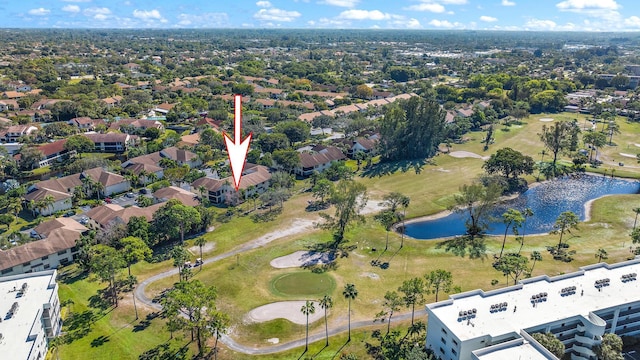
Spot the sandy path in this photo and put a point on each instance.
(467, 154)
(289, 310)
(300, 258)
(628, 155)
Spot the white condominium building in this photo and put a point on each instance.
(29, 314)
(578, 308)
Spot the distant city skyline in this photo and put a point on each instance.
(511, 15)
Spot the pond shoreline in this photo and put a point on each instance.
(442, 214)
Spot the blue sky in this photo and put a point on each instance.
(547, 15)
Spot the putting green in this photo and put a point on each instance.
(302, 283)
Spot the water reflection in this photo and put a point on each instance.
(547, 200)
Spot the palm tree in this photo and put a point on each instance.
(15, 207)
(535, 256)
(404, 201)
(99, 188)
(601, 254)
(635, 221)
(200, 241)
(47, 202)
(152, 177)
(326, 303)
(307, 309)
(527, 213)
(350, 293)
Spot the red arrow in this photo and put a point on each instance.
(237, 150)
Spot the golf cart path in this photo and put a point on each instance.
(298, 226)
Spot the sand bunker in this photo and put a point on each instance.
(467, 154)
(301, 258)
(546, 119)
(289, 310)
(628, 155)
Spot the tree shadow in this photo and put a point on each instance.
(339, 350)
(165, 351)
(462, 245)
(266, 216)
(99, 341)
(317, 206)
(144, 324)
(101, 300)
(78, 325)
(388, 168)
(71, 276)
(319, 351)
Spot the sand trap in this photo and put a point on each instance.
(467, 154)
(372, 206)
(289, 310)
(546, 119)
(638, 145)
(273, 340)
(301, 258)
(628, 155)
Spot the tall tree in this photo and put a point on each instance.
(80, 144)
(512, 265)
(559, 138)
(134, 249)
(326, 303)
(391, 304)
(610, 348)
(601, 254)
(198, 303)
(564, 223)
(635, 220)
(476, 200)
(349, 198)
(138, 226)
(350, 293)
(439, 280)
(200, 242)
(551, 343)
(179, 255)
(535, 256)
(412, 129)
(392, 202)
(308, 308)
(526, 213)
(596, 140)
(105, 263)
(511, 217)
(386, 218)
(509, 163)
(413, 292)
(174, 218)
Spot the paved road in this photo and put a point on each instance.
(232, 344)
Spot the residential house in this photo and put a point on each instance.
(186, 197)
(8, 105)
(112, 101)
(56, 247)
(182, 157)
(45, 103)
(13, 133)
(82, 123)
(144, 171)
(53, 151)
(206, 121)
(318, 159)
(255, 180)
(107, 215)
(112, 142)
(365, 145)
(164, 108)
(142, 124)
(61, 189)
(12, 95)
(465, 113)
(190, 140)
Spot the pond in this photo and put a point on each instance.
(547, 201)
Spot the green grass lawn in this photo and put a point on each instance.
(306, 283)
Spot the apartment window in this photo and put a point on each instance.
(443, 330)
(455, 342)
(28, 263)
(453, 351)
(442, 350)
(62, 252)
(6, 271)
(46, 266)
(45, 257)
(443, 341)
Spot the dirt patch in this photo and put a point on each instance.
(467, 154)
(372, 206)
(546, 119)
(273, 341)
(297, 226)
(370, 275)
(210, 246)
(301, 258)
(289, 310)
(628, 155)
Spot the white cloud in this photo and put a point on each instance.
(407, 24)
(570, 5)
(204, 20)
(71, 8)
(536, 24)
(449, 2)
(488, 18)
(274, 14)
(364, 15)
(341, 3)
(94, 11)
(39, 12)
(431, 7)
(147, 14)
(445, 24)
(632, 22)
(263, 4)
(508, 3)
